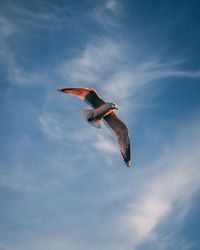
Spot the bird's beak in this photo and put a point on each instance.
(116, 108)
(59, 90)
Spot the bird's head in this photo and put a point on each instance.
(113, 106)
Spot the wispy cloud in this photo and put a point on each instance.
(106, 14)
(102, 62)
(65, 159)
(156, 201)
(7, 28)
(15, 72)
(16, 24)
(49, 17)
(166, 193)
(104, 144)
(111, 5)
(92, 64)
(125, 83)
(52, 126)
(106, 65)
(57, 128)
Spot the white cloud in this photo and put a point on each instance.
(63, 130)
(93, 64)
(49, 17)
(105, 145)
(159, 193)
(52, 126)
(125, 83)
(15, 24)
(107, 14)
(111, 5)
(154, 196)
(106, 64)
(166, 193)
(162, 191)
(16, 73)
(7, 28)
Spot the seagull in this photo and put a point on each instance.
(103, 110)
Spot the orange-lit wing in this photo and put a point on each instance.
(89, 95)
(120, 130)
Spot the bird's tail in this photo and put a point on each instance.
(88, 114)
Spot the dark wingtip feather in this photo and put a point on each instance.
(128, 164)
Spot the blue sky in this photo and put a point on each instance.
(63, 184)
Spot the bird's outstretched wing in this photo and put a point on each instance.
(89, 95)
(120, 130)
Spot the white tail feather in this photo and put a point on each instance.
(88, 114)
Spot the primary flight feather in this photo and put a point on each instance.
(103, 110)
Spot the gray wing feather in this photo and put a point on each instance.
(120, 130)
(89, 95)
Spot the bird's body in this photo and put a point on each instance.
(104, 111)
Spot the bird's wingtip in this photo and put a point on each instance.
(128, 164)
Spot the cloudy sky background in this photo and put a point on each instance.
(63, 184)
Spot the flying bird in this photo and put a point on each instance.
(103, 110)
